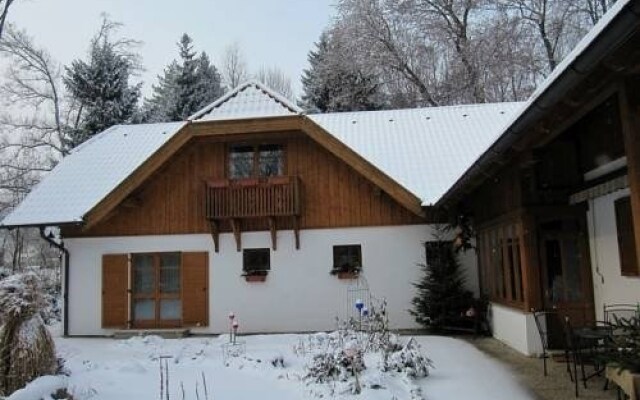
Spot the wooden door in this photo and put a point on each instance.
(566, 273)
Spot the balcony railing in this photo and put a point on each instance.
(248, 198)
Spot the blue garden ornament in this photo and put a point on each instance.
(365, 312)
(359, 305)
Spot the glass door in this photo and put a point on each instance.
(155, 290)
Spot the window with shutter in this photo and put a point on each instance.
(626, 238)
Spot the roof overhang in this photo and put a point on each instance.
(624, 23)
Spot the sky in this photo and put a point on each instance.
(269, 32)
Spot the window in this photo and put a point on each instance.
(256, 261)
(626, 238)
(347, 258)
(256, 161)
(156, 295)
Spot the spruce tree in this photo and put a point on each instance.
(333, 84)
(441, 298)
(101, 86)
(184, 87)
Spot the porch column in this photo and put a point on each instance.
(630, 116)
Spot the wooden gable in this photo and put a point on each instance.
(172, 199)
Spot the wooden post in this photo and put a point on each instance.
(296, 231)
(237, 234)
(274, 232)
(215, 234)
(530, 263)
(630, 118)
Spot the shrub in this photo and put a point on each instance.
(27, 350)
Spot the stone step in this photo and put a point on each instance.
(163, 333)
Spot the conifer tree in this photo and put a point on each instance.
(184, 87)
(332, 84)
(441, 297)
(101, 85)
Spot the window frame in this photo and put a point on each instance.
(255, 272)
(625, 236)
(157, 295)
(255, 171)
(355, 269)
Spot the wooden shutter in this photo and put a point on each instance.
(626, 238)
(115, 287)
(195, 289)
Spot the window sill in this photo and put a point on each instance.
(255, 277)
(346, 274)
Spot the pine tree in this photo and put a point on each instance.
(441, 298)
(331, 84)
(101, 86)
(184, 87)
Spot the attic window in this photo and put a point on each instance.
(255, 161)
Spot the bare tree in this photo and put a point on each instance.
(4, 11)
(277, 80)
(234, 67)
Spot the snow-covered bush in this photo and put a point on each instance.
(27, 350)
(409, 360)
(336, 365)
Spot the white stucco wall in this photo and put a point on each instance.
(516, 329)
(608, 284)
(299, 294)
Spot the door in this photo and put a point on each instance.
(566, 273)
(156, 300)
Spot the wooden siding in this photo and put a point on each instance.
(172, 201)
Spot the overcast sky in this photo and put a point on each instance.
(269, 32)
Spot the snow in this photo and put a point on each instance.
(115, 369)
(423, 149)
(97, 167)
(249, 100)
(41, 388)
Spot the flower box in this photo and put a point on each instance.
(628, 382)
(255, 278)
(348, 275)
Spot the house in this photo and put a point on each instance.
(254, 208)
(556, 199)
(251, 206)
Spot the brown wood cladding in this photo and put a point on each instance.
(195, 289)
(172, 201)
(115, 285)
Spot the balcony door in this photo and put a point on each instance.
(156, 300)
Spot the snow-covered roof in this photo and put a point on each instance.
(87, 175)
(249, 100)
(563, 67)
(424, 149)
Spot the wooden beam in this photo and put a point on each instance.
(296, 231)
(237, 233)
(243, 126)
(364, 167)
(215, 234)
(531, 283)
(630, 117)
(274, 233)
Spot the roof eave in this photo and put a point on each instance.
(612, 36)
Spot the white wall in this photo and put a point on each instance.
(516, 329)
(299, 294)
(608, 284)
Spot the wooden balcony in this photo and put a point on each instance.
(269, 198)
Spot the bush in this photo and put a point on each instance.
(27, 350)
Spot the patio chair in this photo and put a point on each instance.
(612, 312)
(573, 353)
(542, 323)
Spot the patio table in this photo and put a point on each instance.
(592, 338)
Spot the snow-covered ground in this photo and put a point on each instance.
(129, 369)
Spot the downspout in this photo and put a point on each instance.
(65, 286)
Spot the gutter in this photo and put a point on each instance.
(613, 36)
(65, 287)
